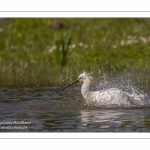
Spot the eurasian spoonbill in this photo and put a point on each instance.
(107, 97)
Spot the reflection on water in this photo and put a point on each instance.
(117, 120)
(43, 110)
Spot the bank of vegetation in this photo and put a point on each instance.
(50, 51)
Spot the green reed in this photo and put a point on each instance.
(33, 52)
(62, 49)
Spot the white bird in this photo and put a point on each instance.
(109, 97)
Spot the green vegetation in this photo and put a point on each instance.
(49, 51)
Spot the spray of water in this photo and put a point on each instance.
(128, 83)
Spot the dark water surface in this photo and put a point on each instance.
(43, 110)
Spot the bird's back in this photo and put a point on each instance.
(115, 97)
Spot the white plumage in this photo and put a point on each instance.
(108, 97)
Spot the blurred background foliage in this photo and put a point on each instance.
(45, 51)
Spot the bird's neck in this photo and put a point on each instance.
(85, 90)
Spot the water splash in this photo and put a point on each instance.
(126, 83)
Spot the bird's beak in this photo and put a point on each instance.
(68, 86)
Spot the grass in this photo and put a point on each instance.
(36, 51)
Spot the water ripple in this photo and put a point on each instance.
(66, 112)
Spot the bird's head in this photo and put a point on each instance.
(82, 77)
